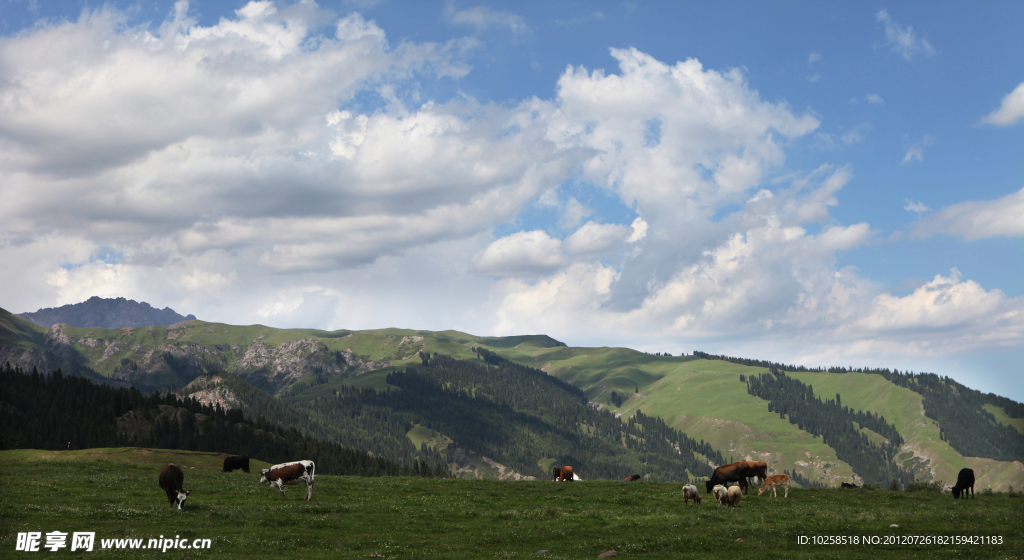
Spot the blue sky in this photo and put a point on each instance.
(807, 182)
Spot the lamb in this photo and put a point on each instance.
(735, 493)
(690, 492)
(721, 494)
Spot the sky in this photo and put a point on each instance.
(814, 183)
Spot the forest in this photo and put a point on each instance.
(56, 412)
(835, 423)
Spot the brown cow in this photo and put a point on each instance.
(170, 480)
(632, 478)
(566, 475)
(290, 473)
(739, 472)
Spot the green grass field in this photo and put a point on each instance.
(114, 492)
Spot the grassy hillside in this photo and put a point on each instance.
(703, 398)
(114, 493)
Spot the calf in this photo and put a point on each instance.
(170, 480)
(690, 493)
(721, 494)
(236, 462)
(734, 496)
(964, 482)
(290, 473)
(775, 480)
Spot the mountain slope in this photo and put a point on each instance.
(702, 397)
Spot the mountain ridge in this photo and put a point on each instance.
(107, 313)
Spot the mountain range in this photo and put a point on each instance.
(510, 407)
(106, 313)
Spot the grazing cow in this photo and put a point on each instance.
(632, 478)
(737, 472)
(566, 474)
(690, 493)
(721, 494)
(751, 469)
(773, 481)
(734, 496)
(170, 479)
(236, 462)
(848, 485)
(290, 473)
(964, 482)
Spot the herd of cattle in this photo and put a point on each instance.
(171, 479)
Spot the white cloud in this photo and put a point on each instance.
(903, 40)
(874, 99)
(915, 151)
(594, 238)
(1010, 111)
(231, 174)
(918, 207)
(972, 220)
(813, 57)
(522, 253)
(482, 18)
(574, 212)
(832, 141)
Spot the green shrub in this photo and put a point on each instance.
(987, 492)
(894, 485)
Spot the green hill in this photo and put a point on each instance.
(699, 396)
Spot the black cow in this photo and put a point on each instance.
(964, 482)
(236, 462)
(848, 485)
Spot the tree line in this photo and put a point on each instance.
(52, 411)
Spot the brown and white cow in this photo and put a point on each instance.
(290, 473)
(170, 480)
(564, 474)
(632, 478)
(772, 482)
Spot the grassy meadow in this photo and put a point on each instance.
(114, 492)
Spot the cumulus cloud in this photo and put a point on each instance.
(236, 171)
(1010, 111)
(522, 253)
(972, 220)
(903, 40)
